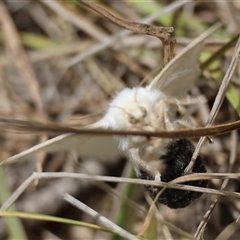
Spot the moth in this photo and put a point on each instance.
(150, 108)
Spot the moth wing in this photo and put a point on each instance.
(86, 146)
(182, 71)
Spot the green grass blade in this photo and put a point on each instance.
(14, 225)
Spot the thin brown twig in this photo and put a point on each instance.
(163, 33)
(168, 48)
(34, 127)
(123, 33)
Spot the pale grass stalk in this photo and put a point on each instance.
(52, 175)
(104, 221)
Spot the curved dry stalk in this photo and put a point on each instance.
(162, 221)
(166, 234)
(162, 33)
(123, 33)
(150, 213)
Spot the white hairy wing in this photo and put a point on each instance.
(179, 75)
(86, 146)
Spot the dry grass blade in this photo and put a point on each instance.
(24, 68)
(218, 101)
(76, 20)
(104, 221)
(20, 58)
(56, 35)
(228, 231)
(207, 215)
(57, 52)
(164, 224)
(150, 214)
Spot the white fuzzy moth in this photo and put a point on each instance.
(151, 108)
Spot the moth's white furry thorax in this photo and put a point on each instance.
(132, 109)
(130, 102)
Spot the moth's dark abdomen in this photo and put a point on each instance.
(177, 157)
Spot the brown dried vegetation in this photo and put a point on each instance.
(61, 61)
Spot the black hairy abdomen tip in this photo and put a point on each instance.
(177, 157)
